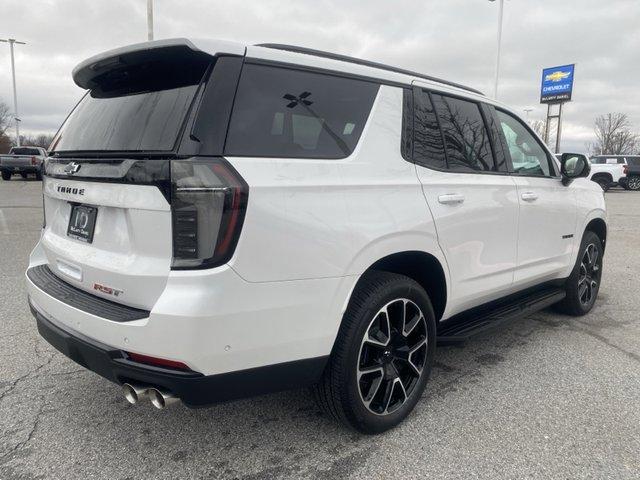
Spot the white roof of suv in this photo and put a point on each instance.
(84, 72)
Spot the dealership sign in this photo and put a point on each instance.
(557, 84)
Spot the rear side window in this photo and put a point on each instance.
(286, 113)
(428, 146)
(465, 135)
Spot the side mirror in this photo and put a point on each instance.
(573, 165)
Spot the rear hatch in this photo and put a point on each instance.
(113, 186)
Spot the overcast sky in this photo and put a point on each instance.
(454, 39)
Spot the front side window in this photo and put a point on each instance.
(527, 155)
(280, 112)
(465, 135)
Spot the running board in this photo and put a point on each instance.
(462, 327)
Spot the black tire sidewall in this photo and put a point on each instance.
(363, 419)
(572, 282)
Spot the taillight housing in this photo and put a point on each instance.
(208, 203)
(625, 169)
(33, 160)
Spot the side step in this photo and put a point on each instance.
(462, 327)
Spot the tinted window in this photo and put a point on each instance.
(138, 106)
(289, 113)
(635, 161)
(428, 147)
(25, 151)
(465, 135)
(144, 121)
(527, 155)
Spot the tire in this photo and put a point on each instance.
(39, 175)
(367, 384)
(583, 284)
(6, 175)
(634, 183)
(623, 182)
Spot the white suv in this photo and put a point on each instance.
(225, 220)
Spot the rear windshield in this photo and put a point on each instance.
(635, 161)
(25, 151)
(137, 109)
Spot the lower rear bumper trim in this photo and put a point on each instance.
(194, 389)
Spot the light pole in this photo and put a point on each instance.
(149, 20)
(11, 42)
(528, 110)
(500, 10)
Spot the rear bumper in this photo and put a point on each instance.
(194, 389)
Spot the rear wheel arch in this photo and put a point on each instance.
(420, 266)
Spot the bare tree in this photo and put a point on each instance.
(614, 135)
(538, 127)
(5, 118)
(5, 123)
(43, 140)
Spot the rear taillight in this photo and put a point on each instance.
(208, 202)
(33, 160)
(625, 169)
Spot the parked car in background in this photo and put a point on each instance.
(225, 220)
(631, 180)
(23, 160)
(607, 170)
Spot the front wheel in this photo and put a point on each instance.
(583, 284)
(634, 183)
(6, 175)
(383, 354)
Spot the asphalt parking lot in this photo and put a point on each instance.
(549, 396)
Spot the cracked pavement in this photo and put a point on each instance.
(548, 396)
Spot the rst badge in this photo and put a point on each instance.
(108, 290)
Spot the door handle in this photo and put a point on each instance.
(451, 198)
(529, 196)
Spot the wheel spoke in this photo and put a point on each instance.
(582, 289)
(407, 328)
(383, 318)
(369, 370)
(594, 260)
(372, 391)
(417, 369)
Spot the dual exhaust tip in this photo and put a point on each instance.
(159, 398)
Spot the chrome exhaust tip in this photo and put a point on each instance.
(161, 399)
(134, 393)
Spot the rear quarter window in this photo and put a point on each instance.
(287, 113)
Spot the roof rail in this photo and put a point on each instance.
(366, 63)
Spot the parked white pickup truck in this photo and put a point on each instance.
(22, 160)
(607, 170)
